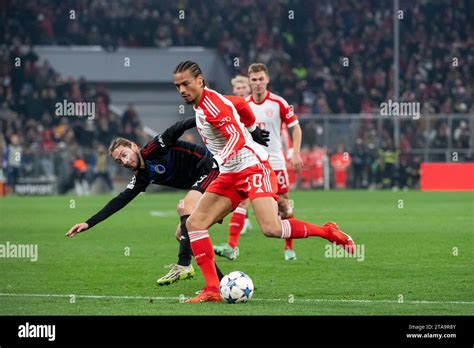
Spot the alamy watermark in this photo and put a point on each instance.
(24, 251)
(79, 109)
(404, 109)
(335, 251)
(37, 331)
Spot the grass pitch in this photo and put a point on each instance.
(418, 258)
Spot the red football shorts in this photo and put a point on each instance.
(282, 181)
(253, 182)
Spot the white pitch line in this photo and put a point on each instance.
(163, 213)
(165, 298)
(92, 296)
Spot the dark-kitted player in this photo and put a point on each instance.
(163, 161)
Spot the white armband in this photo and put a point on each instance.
(252, 128)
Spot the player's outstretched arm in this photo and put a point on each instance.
(77, 228)
(114, 205)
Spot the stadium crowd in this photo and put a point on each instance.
(67, 146)
(304, 44)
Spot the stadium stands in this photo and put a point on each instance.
(302, 42)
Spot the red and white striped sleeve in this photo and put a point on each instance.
(286, 111)
(245, 112)
(221, 116)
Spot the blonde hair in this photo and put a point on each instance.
(239, 79)
(257, 67)
(119, 142)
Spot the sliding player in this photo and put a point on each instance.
(163, 161)
(244, 173)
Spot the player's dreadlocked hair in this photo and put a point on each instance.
(191, 66)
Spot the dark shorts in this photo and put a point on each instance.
(204, 181)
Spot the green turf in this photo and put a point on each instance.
(408, 251)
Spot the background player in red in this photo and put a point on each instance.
(272, 111)
(340, 161)
(244, 173)
(317, 156)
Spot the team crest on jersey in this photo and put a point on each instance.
(269, 112)
(160, 169)
(290, 112)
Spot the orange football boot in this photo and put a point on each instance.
(342, 239)
(206, 296)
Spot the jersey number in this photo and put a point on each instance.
(256, 181)
(281, 179)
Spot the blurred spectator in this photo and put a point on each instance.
(100, 168)
(79, 172)
(461, 136)
(359, 162)
(14, 161)
(388, 160)
(340, 162)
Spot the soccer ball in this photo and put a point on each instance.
(236, 287)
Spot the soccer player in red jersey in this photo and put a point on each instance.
(244, 173)
(239, 222)
(271, 112)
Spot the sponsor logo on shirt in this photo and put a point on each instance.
(290, 112)
(131, 185)
(224, 121)
(160, 140)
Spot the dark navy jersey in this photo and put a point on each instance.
(168, 162)
(176, 167)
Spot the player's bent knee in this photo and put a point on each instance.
(195, 224)
(271, 231)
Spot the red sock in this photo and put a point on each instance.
(288, 242)
(236, 224)
(294, 228)
(204, 255)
